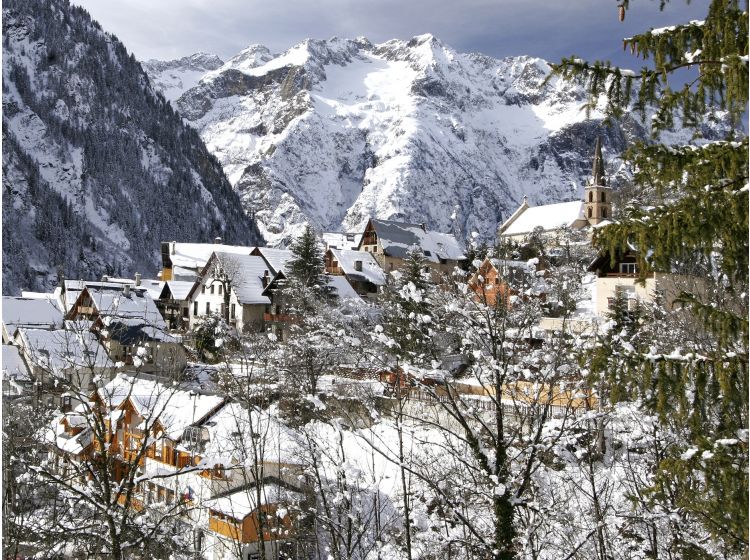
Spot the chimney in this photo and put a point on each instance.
(217, 240)
(105, 278)
(137, 278)
(423, 226)
(126, 290)
(173, 246)
(525, 200)
(265, 278)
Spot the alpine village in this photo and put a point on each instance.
(237, 326)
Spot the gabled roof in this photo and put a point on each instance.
(59, 350)
(277, 259)
(32, 313)
(246, 273)
(130, 332)
(174, 408)
(194, 256)
(398, 238)
(123, 302)
(370, 269)
(548, 217)
(178, 290)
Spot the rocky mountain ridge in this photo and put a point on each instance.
(335, 131)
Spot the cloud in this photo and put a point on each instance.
(589, 28)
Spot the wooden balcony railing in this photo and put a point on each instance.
(280, 318)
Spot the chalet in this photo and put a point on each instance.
(130, 326)
(31, 313)
(63, 363)
(232, 285)
(390, 242)
(504, 278)
(359, 267)
(277, 259)
(185, 261)
(595, 209)
(619, 276)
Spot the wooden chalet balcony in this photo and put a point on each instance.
(85, 310)
(280, 318)
(621, 275)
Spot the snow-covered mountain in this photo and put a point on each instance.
(97, 167)
(339, 130)
(175, 77)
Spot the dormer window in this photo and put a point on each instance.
(358, 266)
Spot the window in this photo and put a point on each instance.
(186, 312)
(427, 253)
(628, 268)
(604, 212)
(604, 197)
(232, 311)
(590, 212)
(195, 308)
(204, 289)
(212, 288)
(220, 287)
(208, 307)
(591, 197)
(358, 265)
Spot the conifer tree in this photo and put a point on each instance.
(307, 263)
(691, 207)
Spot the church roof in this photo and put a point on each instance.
(548, 217)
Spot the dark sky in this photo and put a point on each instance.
(549, 29)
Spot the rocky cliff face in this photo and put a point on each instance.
(335, 131)
(97, 166)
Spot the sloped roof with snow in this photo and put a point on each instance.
(371, 271)
(130, 332)
(342, 288)
(337, 240)
(548, 217)
(242, 503)
(233, 429)
(32, 313)
(194, 256)
(247, 276)
(174, 407)
(111, 300)
(59, 350)
(277, 259)
(178, 289)
(398, 238)
(13, 365)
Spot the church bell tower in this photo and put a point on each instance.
(597, 195)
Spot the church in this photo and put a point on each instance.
(595, 208)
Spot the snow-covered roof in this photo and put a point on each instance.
(277, 259)
(174, 407)
(242, 503)
(369, 271)
(59, 350)
(547, 217)
(342, 287)
(234, 428)
(194, 256)
(13, 365)
(337, 240)
(153, 287)
(74, 444)
(134, 331)
(179, 289)
(398, 238)
(247, 276)
(32, 313)
(111, 300)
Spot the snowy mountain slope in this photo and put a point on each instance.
(176, 76)
(339, 130)
(97, 167)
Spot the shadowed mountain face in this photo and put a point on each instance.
(336, 131)
(97, 166)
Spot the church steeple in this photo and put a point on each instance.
(597, 195)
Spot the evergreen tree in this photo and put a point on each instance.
(307, 264)
(692, 208)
